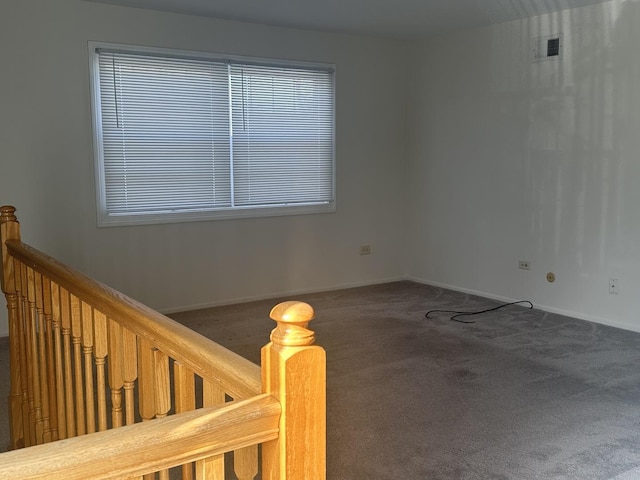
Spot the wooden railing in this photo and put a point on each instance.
(86, 360)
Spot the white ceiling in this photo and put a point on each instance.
(388, 18)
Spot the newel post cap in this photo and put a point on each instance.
(7, 214)
(292, 317)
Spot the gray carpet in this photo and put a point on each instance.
(520, 394)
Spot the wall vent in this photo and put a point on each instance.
(553, 47)
(546, 48)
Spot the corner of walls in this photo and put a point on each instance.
(513, 158)
(545, 308)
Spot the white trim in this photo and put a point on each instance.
(194, 54)
(105, 219)
(276, 295)
(96, 125)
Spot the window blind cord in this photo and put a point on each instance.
(115, 90)
(461, 314)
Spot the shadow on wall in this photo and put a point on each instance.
(573, 117)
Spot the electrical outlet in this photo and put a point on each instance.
(613, 286)
(365, 250)
(524, 265)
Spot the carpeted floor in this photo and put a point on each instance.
(520, 394)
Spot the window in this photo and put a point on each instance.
(182, 136)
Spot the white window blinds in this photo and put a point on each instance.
(282, 135)
(179, 135)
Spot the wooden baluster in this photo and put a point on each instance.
(115, 372)
(10, 230)
(162, 391)
(41, 355)
(185, 393)
(146, 384)
(245, 462)
(23, 307)
(87, 352)
(146, 380)
(29, 420)
(101, 349)
(34, 363)
(59, 370)
(162, 383)
(65, 313)
(43, 368)
(50, 358)
(16, 434)
(76, 337)
(211, 468)
(130, 372)
(293, 371)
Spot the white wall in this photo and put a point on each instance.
(511, 159)
(505, 160)
(46, 160)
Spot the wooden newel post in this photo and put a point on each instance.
(294, 371)
(10, 230)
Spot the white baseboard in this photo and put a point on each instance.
(292, 293)
(266, 296)
(281, 294)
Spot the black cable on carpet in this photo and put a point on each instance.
(461, 314)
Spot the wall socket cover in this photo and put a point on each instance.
(524, 265)
(364, 250)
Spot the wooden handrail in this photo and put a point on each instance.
(149, 446)
(74, 338)
(237, 375)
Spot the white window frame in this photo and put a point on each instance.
(106, 218)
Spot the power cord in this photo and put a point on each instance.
(461, 314)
